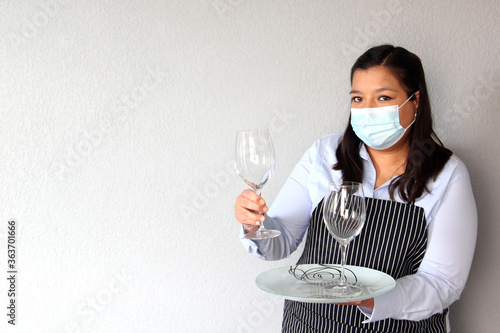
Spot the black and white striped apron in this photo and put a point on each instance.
(393, 240)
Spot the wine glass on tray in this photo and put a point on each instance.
(255, 162)
(344, 213)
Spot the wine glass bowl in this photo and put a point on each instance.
(255, 161)
(344, 214)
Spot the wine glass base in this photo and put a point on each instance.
(263, 234)
(344, 290)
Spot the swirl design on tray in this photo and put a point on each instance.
(321, 273)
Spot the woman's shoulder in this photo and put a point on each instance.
(330, 141)
(453, 177)
(455, 167)
(325, 146)
(323, 149)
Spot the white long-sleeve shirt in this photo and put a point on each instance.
(450, 213)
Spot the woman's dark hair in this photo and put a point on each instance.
(427, 155)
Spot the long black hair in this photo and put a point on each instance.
(427, 155)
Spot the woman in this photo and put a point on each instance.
(417, 189)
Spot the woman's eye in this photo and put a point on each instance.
(356, 99)
(384, 98)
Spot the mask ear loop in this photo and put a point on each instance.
(414, 117)
(399, 107)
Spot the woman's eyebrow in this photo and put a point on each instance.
(377, 90)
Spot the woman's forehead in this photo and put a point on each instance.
(376, 78)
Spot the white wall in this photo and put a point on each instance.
(117, 133)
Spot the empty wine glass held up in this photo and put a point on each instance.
(255, 160)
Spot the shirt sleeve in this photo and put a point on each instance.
(289, 213)
(443, 272)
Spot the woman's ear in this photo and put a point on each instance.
(416, 100)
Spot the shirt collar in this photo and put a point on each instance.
(363, 153)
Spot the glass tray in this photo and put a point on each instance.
(309, 283)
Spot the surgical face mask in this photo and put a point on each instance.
(379, 128)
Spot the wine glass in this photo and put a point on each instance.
(344, 214)
(255, 162)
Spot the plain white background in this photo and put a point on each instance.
(117, 131)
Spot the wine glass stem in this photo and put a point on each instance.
(258, 190)
(343, 249)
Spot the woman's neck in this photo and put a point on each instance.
(389, 162)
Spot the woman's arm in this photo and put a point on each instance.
(443, 272)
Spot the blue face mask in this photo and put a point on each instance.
(379, 128)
